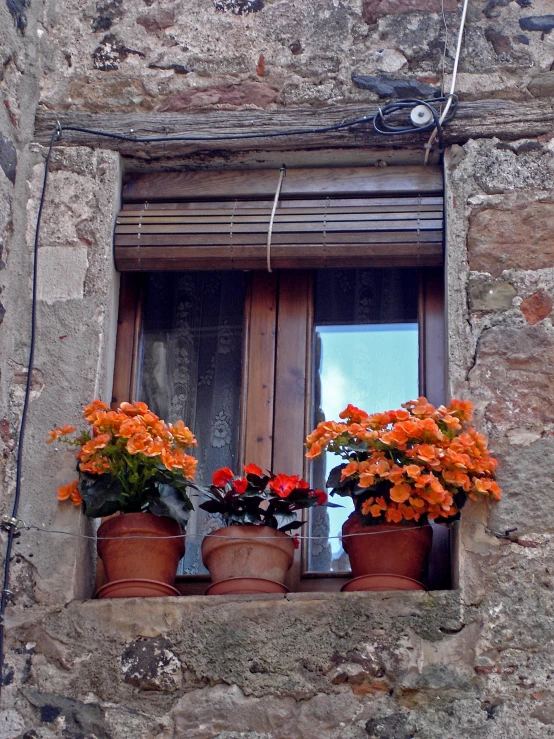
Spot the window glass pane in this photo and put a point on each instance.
(365, 346)
(191, 369)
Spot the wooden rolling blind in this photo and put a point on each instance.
(359, 216)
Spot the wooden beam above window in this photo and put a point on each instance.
(504, 119)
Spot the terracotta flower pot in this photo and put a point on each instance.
(392, 549)
(247, 552)
(150, 558)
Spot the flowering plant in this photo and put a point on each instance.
(410, 464)
(259, 499)
(129, 461)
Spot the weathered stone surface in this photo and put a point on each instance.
(78, 717)
(18, 11)
(536, 307)
(372, 10)
(500, 43)
(108, 12)
(488, 296)
(497, 168)
(511, 239)
(542, 23)
(514, 375)
(204, 713)
(157, 21)
(394, 726)
(258, 94)
(526, 485)
(239, 7)
(151, 665)
(386, 87)
(11, 724)
(542, 85)
(8, 158)
(55, 261)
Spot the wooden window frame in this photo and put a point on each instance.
(276, 382)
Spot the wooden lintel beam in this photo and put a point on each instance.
(506, 119)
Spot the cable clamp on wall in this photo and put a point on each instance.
(9, 522)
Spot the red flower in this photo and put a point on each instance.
(320, 496)
(221, 477)
(296, 541)
(240, 485)
(303, 484)
(253, 469)
(283, 485)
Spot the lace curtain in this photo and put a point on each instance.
(191, 370)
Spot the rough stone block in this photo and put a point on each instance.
(151, 665)
(536, 307)
(258, 94)
(511, 239)
(513, 374)
(542, 85)
(525, 476)
(491, 296)
(540, 23)
(372, 10)
(61, 273)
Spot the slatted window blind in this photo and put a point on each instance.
(359, 216)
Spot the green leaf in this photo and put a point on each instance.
(101, 494)
(171, 502)
(291, 526)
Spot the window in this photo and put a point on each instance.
(244, 357)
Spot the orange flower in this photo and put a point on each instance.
(413, 470)
(183, 435)
(130, 427)
(400, 492)
(97, 466)
(461, 408)
(253, 469)
(155, 448)
(57, 432)
(393, 515)
(133, 409)
(366, 480)
(70, 491)
(350, 469)
(314, 451)
(139, 443)
(92, 409)
(353, 414)
(221, 477)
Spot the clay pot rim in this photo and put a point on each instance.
(143, 520)
(352, 586)
(114, 584)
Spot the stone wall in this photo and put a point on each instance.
(474, 662)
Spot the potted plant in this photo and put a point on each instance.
(254, 550)
(132, 463)
(402, 468)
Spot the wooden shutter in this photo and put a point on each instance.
(363, 216)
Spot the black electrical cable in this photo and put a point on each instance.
(226, 137)
(11, 525)
(379, 125)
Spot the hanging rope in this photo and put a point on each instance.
(282, 173)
